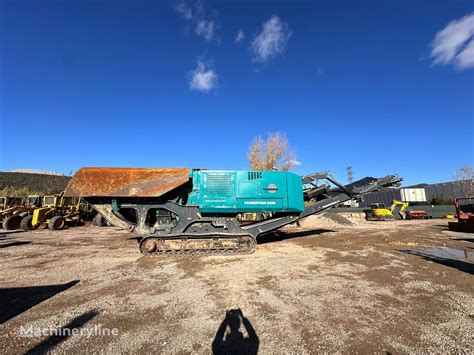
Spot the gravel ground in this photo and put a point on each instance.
(361, 287)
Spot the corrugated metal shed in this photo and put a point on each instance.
(446, 189)
(385, 197)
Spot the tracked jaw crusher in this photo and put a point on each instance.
(184, 211)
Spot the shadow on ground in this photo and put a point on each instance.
(275, 236)
(280, 235)
(62, 333)
(13, 244)
(229, 337)
(4, 233)
(454, 263)
(464, 239)
(14, 301)
(5, 237)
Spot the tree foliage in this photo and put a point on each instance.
(271, 153)
(441, 200)
(464, 181)
(22, 184)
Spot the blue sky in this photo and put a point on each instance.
(386, 87)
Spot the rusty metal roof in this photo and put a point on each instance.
(125, 182)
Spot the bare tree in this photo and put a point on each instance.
(272, 153)
(464, 181)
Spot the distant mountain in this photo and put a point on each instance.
(32, 183)
(34, 171)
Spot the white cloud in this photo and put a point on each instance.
(455, 44)
(465, 59)
(205, 25)
(206, 29)
(296, 162)
(272, 40)
(184, 10)
(240, 36)
(203, 78)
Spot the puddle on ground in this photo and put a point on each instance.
(449, 253)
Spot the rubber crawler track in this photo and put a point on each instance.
(243, 244)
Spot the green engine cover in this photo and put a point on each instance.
(219, 191)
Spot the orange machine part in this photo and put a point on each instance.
(125, 182)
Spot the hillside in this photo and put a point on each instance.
(34, 171)
(16, 183)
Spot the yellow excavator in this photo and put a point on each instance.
(378, 211)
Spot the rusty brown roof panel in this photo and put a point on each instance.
(126, 182)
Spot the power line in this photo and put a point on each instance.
(350, 177)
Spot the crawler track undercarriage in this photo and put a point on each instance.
(198, 244)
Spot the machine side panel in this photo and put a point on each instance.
(247, 191)
(295, 193)
(270, 194)
(216, 191)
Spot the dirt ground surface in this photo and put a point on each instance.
(399, 286)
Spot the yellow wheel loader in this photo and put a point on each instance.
(14, 212)
(56, 213)
(9, 202)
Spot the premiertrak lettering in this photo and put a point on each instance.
(259, 202)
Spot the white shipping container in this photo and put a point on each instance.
(413, 195)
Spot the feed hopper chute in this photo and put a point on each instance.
(126, 182)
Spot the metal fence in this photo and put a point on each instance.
(447, 190)
(435, 211)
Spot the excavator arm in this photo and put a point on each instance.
(396, 203)
(403, 207)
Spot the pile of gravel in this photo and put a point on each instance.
(327, 220)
